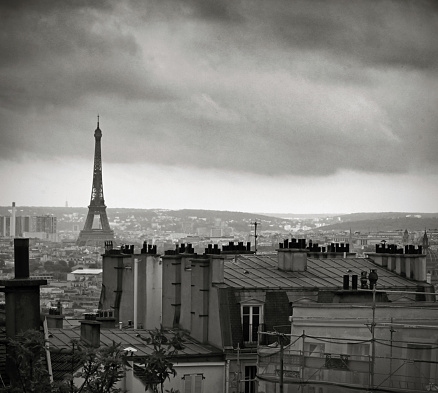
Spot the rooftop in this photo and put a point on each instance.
(87, 271)
(261, 272)
(129, 338)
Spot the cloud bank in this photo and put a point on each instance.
(272, 88)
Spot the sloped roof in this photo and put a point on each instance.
(261, 272)
(61, 338)
(64, 364)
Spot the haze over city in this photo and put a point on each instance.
(279, 106)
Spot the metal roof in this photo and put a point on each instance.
(261, 272)
(62, 338)
(87, 271)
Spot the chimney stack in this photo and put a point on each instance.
(90, 330)
(292, 256)
(22, 294)
(21, 258)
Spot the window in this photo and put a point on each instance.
(314, 349)
(193, 383)
(359, 351)
(252, 318)
(417, 368)
(250, 381)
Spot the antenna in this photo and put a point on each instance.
(255, 223)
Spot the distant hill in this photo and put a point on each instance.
(363, 222)
(183, 213)
(386, 224)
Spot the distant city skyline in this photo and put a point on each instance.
(301, 107)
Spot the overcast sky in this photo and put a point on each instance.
(262, 106)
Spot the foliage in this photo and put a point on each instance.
(158, 365)
(26, 362)
(102, 367)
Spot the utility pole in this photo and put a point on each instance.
(373, 340)
(390, 356)
(281, 362)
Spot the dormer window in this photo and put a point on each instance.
(252, 318)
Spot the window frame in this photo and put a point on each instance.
(250, 333)
(191, 387)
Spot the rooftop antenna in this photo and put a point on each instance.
(255, 223)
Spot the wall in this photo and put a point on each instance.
(153, 292)
(214, 374)
(112, 281)
(345, 329)
(118, 275)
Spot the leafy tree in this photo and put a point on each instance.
(158, 365)
(26, 362)
(101, 368)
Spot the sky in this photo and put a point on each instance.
(279, 106)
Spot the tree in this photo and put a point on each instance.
(25, 362)
(101, 368)
(158, 365)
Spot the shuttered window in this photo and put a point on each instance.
(193, 383)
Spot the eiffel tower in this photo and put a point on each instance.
(90, 236)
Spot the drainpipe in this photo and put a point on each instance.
(135, 293)
(227, 377)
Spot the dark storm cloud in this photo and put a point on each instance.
(393, 33)
(267, 87)
(59, 52)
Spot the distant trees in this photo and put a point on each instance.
(60, 267)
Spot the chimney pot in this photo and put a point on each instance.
(354, 282)
(21, 258)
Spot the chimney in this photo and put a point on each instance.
(171, 291)
(54, 318)
(217, 269)
(153, 282)
(90, 330)
(292, 256)
(106, 318)
(185, 319)
(200, 299)
(410, 264)
(21, 256)
(22, 294)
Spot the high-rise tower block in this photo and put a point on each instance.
(91, 235)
